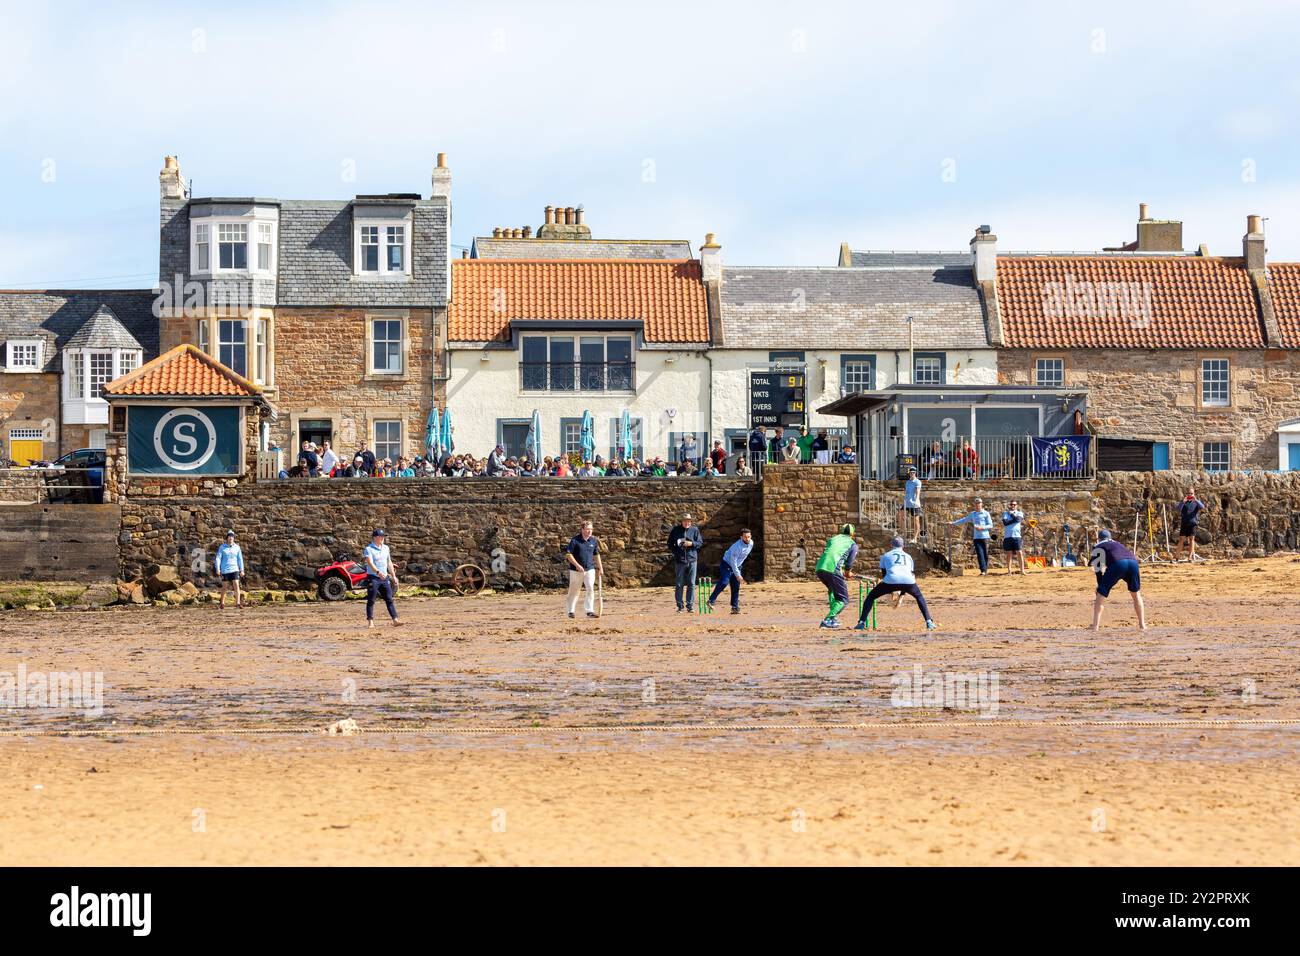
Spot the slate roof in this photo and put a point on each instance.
(183, 372)
(57, 316)
(1284, 283)
(1127, 302)
(103, 331)
(668, 297)
(487, 247)
(848, 309)
(876, 259)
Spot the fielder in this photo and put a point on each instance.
(583, 557)
(230, 568)
(833, 568)
(899, 578)
(1114, 563)
(381, 578)
(729, 573)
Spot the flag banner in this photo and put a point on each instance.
(183, 441)
(1055, 455)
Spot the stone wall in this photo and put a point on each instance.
(24, 485)
(1154, 394)
(31, 400)
(63, 542)
(802, 506)
(513, 528)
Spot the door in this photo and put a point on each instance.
(1293, 456)
(317, 431)
(24, 451)
(514, 438)
(1160, 455)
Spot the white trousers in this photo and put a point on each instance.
(577, 581)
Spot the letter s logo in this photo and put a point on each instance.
(183, 440)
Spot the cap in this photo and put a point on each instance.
(847, 529)
(230, 533)
(377, 533)
(688, 517)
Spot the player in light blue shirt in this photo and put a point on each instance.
(899, 578)
(912, 506)
(1012, 519)
(981, 523)
(729, 573)
(381, 577)
(229, 565)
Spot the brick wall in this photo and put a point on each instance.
(288, 529)
(1154, 394)
(27, 401)
(802, 506)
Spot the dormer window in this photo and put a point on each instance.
(382, 249)
(23, 355)
(243, 244)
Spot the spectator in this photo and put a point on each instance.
(777, 443)
(757, 446)
(820, 443)
(309, 459)
(404, 469)
(684, 543)
(935, 460)
(588, 470)
(969, 459)
(790, 453)
(562, 467)
(805, 445)
(742, 467)
(357, 469)
(329, 459)
(847, 456)
(709, 470)
(496, 462)
(689, 450)
(658, 469)
(367, 458)
(719, 458)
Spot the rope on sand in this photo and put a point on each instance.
(452, 730)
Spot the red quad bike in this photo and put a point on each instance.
(334, 581)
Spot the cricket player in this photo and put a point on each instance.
(1012, 536)
(381, 577)
(1114, 563)
(1189, 517)
(583, 558)
(729, 573)
(833, 569)
(899, 578)
(229, 565)
(912, 505)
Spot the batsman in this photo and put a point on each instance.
(834, 567)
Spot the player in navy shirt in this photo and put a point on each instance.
(1114, 563)
(1189, 516)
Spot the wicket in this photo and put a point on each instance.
(863, 587)
(703, 588)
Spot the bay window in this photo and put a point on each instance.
(85, 373)
(246, 244)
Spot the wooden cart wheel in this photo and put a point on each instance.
(468, 579)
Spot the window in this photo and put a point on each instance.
(1214, 382)
(232, 245)
(232, 345)
(127, 363)
(24, 355)
(592, 363)
(264, 246)
(928, 369)
(76, 375)
(388, 439)
(202, 248)
(259, 352)
(101, 372)
(203, 336)
(571, 437)
(635, 450)
(857, 374)
(386, 346)
(395, 248)
(1216, 456)
(381, 249)
(369, 248)
(1049, 373)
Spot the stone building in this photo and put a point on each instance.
(336, 309)
(1190, 361)
(561, 324)
(60, 348)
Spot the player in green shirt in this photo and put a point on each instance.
(833, 570)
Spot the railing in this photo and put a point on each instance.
(577, 376)
(964, 459)
(51, 485)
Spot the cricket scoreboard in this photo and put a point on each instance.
(776, 398)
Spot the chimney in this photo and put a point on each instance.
(441, 179)
(1252, 243)
(496, 232)
(550, 215)
(1157, 235)
(578, 214)
(564, 222)
(170, 183)
(711, 259)
(984, 247)
(568, 215)
(528, 232)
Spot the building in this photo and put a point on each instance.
(60, 348)
(563, 324)
(791, 341)
(336, 309)
(1191, 361)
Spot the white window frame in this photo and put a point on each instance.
(76, 365)
(248, 350)
(265, 239)
(203, 336)
(1038, 371)
(400, 442)
(261, 336)
(1216, 382)
(1227, 458)
(35, 366)
(916, 379)
(381, 227)
(208, 229)
(852, 369)
(401, 345)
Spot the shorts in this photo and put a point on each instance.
(914, 512)
(1187, 531)
(230, 576)
(1010, 544)
(1125, 570)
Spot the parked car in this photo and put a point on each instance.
(81, 477)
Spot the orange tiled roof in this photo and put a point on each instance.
(184, 371)
(1284, 284)
(488, 294)
(1161, 302)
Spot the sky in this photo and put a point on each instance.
(785, 128)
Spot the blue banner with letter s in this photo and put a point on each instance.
(1053, 456)
(187, 440)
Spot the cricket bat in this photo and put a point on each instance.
(600, 596)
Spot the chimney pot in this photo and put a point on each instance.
(442, 160)
(550, 215)
(1142, 211)
(496, 232)
(578, 212)
(1254, 225)
(568, 215)
(528, 232)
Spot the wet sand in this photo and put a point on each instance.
(464, 755)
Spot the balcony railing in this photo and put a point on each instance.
(577, 376)
(938, 459)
